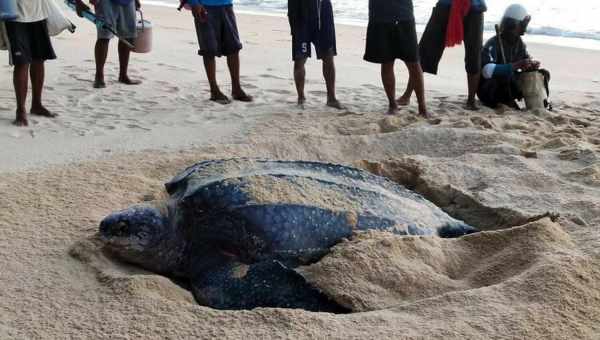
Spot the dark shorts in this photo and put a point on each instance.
(29, 42)
(218, 36)
(387, 42)
(433, 41)
(323, 37)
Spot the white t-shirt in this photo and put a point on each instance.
(32, 10)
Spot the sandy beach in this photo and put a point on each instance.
(529, 180)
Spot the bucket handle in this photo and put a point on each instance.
(142, 18)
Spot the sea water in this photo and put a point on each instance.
(573, 23)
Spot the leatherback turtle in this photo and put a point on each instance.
(236, 228)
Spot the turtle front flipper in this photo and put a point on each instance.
(236, 286)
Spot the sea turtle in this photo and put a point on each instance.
(236, 228)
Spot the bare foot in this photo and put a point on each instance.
(127, 81)
(242, 96)
(21, 119)
(425, 114)
(392, 110)
(335, 104)
(99, 83)
(403, 101)
(220, 98)
(471, 105)
(40, 110)
(301, 102)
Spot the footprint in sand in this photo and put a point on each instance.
(270, 76)
(278, 91)
(135, 126)
(589, 175)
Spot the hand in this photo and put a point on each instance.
(534, 65)
(80, 7)
(521, 64)
(200, 13)
(138, 4)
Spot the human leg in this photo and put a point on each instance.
(21, 84)
(100, 54)
(37, 73)
(210, 66)
(388, 78)
(299, 79)
(233, 63)
(416, 78)
(329, 75)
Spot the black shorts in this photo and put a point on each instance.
(321, 34)
(29, 42)
(433, 41)
(219, 35)
(387, 42)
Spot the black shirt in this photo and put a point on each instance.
(391, 11)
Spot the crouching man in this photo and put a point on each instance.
(505, 58)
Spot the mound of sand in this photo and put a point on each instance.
(376, 270)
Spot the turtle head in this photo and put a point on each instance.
(142, 235)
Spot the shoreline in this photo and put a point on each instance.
(544, 39)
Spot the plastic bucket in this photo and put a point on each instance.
(143, 41)
(8, 10)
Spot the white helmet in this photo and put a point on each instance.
(515, 16)
(515, 11)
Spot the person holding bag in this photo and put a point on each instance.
(29, 47)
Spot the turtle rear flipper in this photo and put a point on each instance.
(238, 286)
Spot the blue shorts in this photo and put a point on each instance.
(320, 33)
(121, 18)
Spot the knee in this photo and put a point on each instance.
(299, 65)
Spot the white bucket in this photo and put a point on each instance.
(533, 89)
(143, 41)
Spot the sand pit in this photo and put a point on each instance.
(525, 279)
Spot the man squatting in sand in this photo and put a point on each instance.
(451, 22)
(119, 14)
(499, 83)
(218, 36)
(311, 21)
(391, 35)
(30, 47)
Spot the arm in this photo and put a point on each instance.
(198, 11)
(81, 7)
(492, 69)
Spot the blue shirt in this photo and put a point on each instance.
(210, 2)
(476, 5)
(391, 11)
